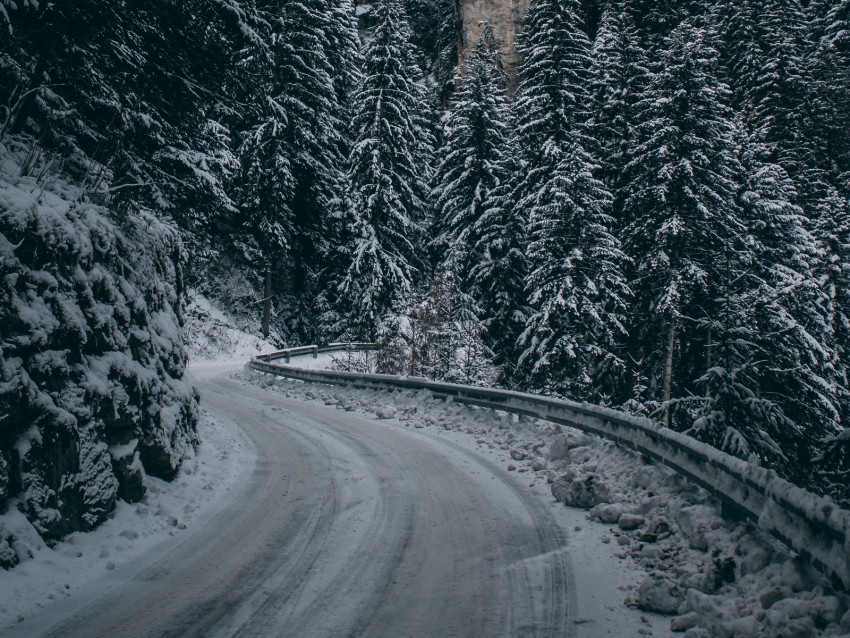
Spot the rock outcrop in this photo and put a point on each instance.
(92, 393)
(504, 16)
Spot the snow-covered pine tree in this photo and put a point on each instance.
(577, 291)
(618, 71)
(833, 233)
(470, 162)
(741, 49)
(383, 233)
(498, 278)
(681, 202)
(292, 156)
(764, 395)
(778, 91)
(575, 285)
(552, 101)
(434, 27)
(828, 79)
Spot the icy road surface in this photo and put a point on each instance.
(347, 527)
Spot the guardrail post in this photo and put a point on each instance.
(315, 352)
(286, 357)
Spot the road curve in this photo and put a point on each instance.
(348, 526)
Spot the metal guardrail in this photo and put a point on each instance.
(300, 351)
(813, 526)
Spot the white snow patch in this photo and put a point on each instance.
(211, 335)
(720, 572)
(45, 575)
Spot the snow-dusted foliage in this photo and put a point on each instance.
(470, 163)
(576, 289)
(439, 337)
(617, 73)
(293, 152)
(383, 222)
(680, 202)
(92, 394)
(499, 276)
(578, 294)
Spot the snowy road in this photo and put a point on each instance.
(348, 527)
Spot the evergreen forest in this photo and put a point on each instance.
(650, 213)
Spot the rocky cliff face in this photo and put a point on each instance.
(505, 17)
(92, 387)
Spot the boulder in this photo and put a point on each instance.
(583, 492)
(630, 522)
(684, 622)
(608, 513)
(385, 412)
(561, 445)
(660, 595)
(646, 477)
(127, 467)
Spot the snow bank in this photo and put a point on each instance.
(132, 533)
(90, 356)
(211, 335)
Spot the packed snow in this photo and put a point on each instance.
(47, 575)
(212, 335)
(649, 550)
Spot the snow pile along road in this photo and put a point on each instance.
(713, 577)
(211, 335)
(47, 576)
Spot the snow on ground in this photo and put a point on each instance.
(46, 575)
(213, 336)
(650, 552)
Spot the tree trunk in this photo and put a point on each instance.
(267, 301)
(668, 372)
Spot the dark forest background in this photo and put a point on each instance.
(653, 215)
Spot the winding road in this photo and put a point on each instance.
(348, 526)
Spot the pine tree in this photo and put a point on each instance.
(434, 25)
(384, 226)
(618, 72)
(292, 156)
(552, 102)
(577, 291)
(498, 278)
(575, 286)
(470, 162)
(828, 104)
(770, 391)
(779, 88)
(681, 200)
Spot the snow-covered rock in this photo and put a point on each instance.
(629, 522)
(584, 492)
(91, 355)
(660, 595)
(561, 445)
(385, 412)
(684, 622)
(608, 513)
(773, 595)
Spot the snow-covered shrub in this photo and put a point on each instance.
(91, 359)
